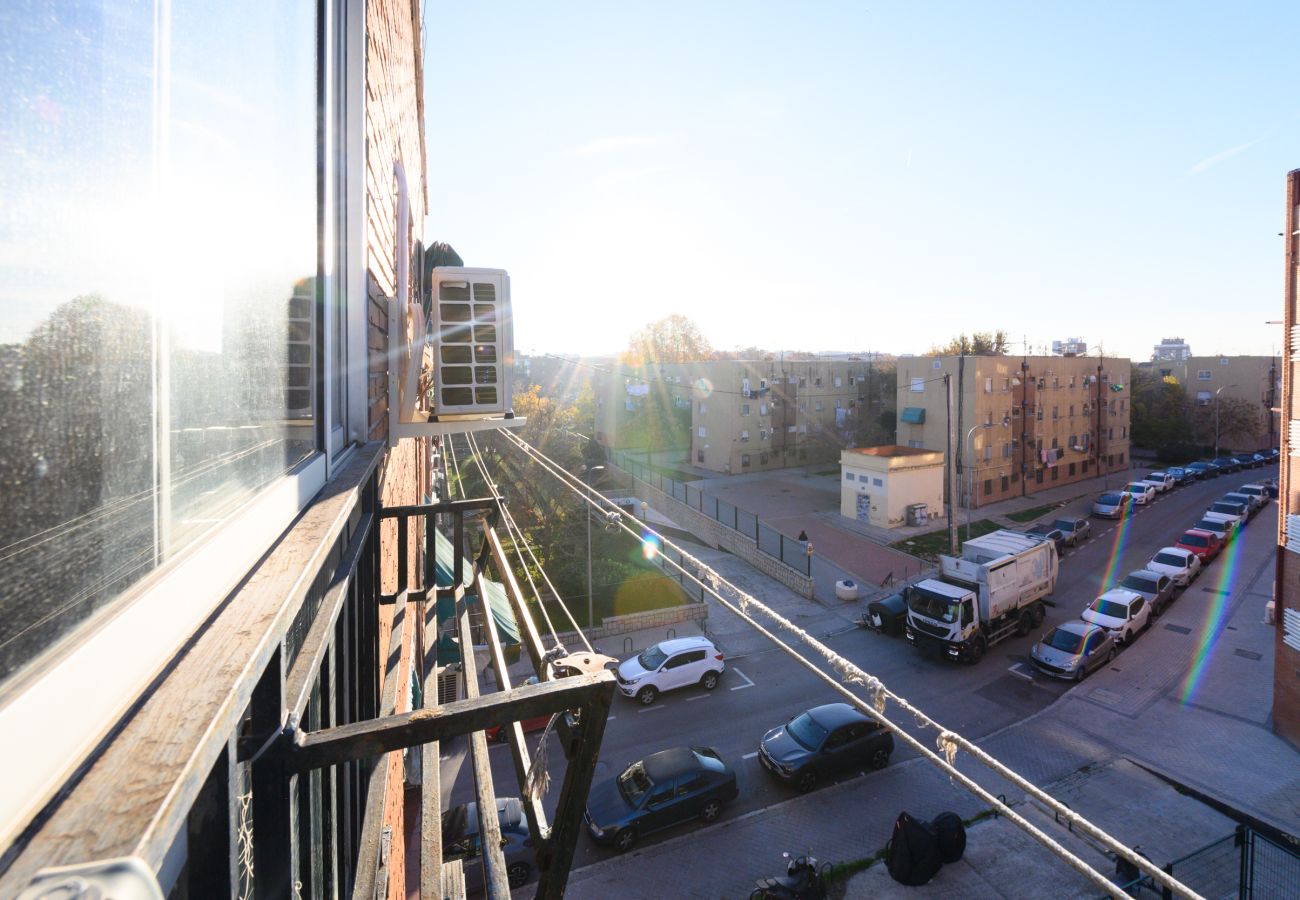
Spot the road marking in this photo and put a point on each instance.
(1015, 670)
(750, 755)
(698, 697)
(741, 687)
(610, 718)
(649, 709)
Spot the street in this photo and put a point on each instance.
(763, 689)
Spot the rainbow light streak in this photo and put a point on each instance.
(1116, 552)
(649, 545)
(1216, 612)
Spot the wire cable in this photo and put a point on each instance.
(948, 741)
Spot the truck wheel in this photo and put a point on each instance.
(977, 648)
(1025, 623)
(1039, 613)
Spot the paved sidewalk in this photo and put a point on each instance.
(1208, 732)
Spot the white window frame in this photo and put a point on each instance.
(918, 385)
(120, 651)
(701, 432)
(1204, 374)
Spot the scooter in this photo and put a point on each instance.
(803, 881)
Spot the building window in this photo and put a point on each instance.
(1006, 451)
(1056, 472)
(988, 452)
(1005, 484)
(1121, 459)
(1110, 434)
(1074, 441)
(1055, 443)
(839, 381)
(988, 486)
(701, 432)
(790, 429)
(1006, 384)
(817, 406)
(744, 434)
(1071, 410)
(803, 406)
(762, 459)
(762, 384)
(1071, 381)
(916, 444)
(1056, 413)
(848, 476)
(1084, 467)
(1071, 472)
(1203, 398)
(1015, 412)
(839, 404)
(762, 409)
(699, 456)
(1123, 431)
(1056, 382)
(1204, 375)
(918, 386)
(744, 409)
(803, 381)
(988, 385)
(744, 460)
(817, 382)
(1223, 360)
(877, 482)
(701, 408)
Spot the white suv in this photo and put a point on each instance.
(670, 664)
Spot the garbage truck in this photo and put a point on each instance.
(993, 590)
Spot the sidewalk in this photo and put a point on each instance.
(1209, 733)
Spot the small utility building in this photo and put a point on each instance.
(879, 484)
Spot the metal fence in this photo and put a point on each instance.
(1246, 864)
(787, 550)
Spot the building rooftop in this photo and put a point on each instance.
(891, 450)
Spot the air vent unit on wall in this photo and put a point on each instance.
(1295, 343)
(1293, 437)
(473, 352)
(1293, 533)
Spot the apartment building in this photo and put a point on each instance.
(1286, 585)
(748, 415)
(623, 392)
(1021, 422)
(1254, 380)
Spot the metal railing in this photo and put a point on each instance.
(789, 551)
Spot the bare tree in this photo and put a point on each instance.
(673, 339)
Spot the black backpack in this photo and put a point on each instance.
(951, 832)
(912, 854)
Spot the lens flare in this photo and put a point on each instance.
(649, 546)
(1116, 552)
(703, 388)
(1216, 615)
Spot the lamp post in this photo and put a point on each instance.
(1216, 419)
(970, 494)
(586, 478)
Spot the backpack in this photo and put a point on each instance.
(951, 832)
(912, 854)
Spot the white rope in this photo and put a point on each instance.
(948, 741)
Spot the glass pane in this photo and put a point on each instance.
(156, 376)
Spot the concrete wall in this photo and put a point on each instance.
(651, 618)
(715, 534)
(904, 481)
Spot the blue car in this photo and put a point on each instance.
(662, 790)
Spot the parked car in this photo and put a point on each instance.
(460, 841)
(1260, 460)
(1163, 481)
(1238, 512)
(1141, 492)
(1270, 484)
(1253, 502)
(1224, 527)
(1247, 460)
(1257, 492)
(1048, 533)
(1155, 587)
(1226, 464)
(1180, 475)
(668, 665)
(1072, 650)
(500, 734)
(662, 790)
(1203, 469)
(1112, 505)
(1121, 612)
(823, 740)
(1179, 563)
(1204, 543)
(1076, 531)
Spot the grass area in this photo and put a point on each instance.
(1028, 515)
(641, 592)
(928, 546)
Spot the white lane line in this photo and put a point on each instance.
(741, 687)
(649, 709)
(698, 697)
(1015, 670)
(750, 755)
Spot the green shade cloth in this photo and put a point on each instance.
(444, 577)
(914, 415)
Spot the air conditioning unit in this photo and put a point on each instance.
(461, 363)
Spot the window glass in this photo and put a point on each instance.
(158, 301)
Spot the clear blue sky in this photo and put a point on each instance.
(826, 176)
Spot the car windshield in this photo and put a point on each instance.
(1066, 641)
(1211, 525)
(712, 763)
(633, 783)
(1156, 476)
(1111, 499)
(1137, 583)
(1170, 559)
(1041, 529)
(1109, 608)
(1230, 509)
(652, 658)
(1063, 524)
(1138, 487)
(806, 732)
(1176, 471)
(1195, 540)
(932, 606)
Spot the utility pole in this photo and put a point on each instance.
(951, 469)
(961, 396)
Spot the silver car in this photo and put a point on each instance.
(1072, 650)
(1156, 587)
(461, 841)
(1112, 505)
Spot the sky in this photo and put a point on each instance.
(853, 176)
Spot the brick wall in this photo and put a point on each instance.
(1286, 660)
(394, 130)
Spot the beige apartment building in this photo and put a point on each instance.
(749, 415)
(622, 390)
(1021, 423)
(1256, 380)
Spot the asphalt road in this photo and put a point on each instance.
(762, 690)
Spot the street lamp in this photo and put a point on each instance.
(586, 478)
(970, 493)
(1216, 419)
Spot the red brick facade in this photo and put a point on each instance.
(1286, 658)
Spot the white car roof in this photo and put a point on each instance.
(1121, 595)
(1176, 551)
(677, 645)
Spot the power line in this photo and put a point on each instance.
(949, 742)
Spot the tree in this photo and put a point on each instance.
(1160, 415)
(981, 343)
(673, 339)
(1239, 424)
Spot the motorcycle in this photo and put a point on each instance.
(803, 880)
